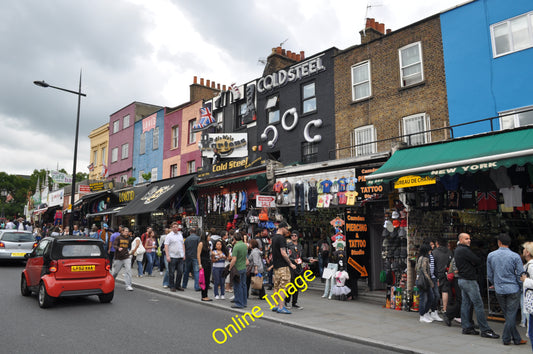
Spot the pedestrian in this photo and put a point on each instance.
(256, 260)
(323, 249)
(467, 263)
(282, 265)
(527, 279)
(443, 257)
(94, 232)
(163, 260)
(504, 268)
(191, 259)
(123, 257)
(150, 245)
(204, 257)
(111, 249)
(433, 313)
(218, 258)
(238, 263)
(136, 247)
(175, 252)
(295, 255)
(423, 277)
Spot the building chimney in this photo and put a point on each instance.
(195, 81)
(201, 81)
(373, 30)
(302, 55)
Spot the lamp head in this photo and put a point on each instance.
(41, 83)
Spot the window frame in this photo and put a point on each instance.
(142, 143)
(312, 152)
(155, 138)
(116, 126)
(140, 176)
(125, 147)
(124, 178)
(360, 83)
(426, 136)
(367, 149)
(509, 34)
(153, 173)
(191, 136)
(125, 119)
(114, 154)
(95, 158)
(191, 166)
(104, 155)
(272, 106)
(309, 98)
(239, 114)
(174, 170)
(175, 137)
(402, 67)
(514, 114)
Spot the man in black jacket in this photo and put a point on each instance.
(467, 263)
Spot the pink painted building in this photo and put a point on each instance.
(121, 135)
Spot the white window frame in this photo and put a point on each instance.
(116, 126)
(309, 98)
(272, 106)
(125, 151)
(124, 178)
(140, 179)
(511, 119)
(142, 144)
(367, 82)
(126, 121)
(175, 136)
(191, 135)
(359, 138)
(153, 175)
(114, 154)
(95, 158)
(191, 166)
(155, 139)
(174, 170)
(419, 62)
(424, 137)
(103, 155)
(510, 39)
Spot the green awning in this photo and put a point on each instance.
(462, 155)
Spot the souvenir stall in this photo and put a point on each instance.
(481, 185)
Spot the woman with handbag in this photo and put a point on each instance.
(424, 283)
(256, 275)
(138, 250)
(527, 285)
(204, 263)
(218, 259)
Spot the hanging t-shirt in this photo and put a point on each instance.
(487, 200)
(326, 186)
(352, 181)
(286, 187)
(327, 200)
(320, 203)
(278, 187)
(341, 182)
(335, 187)
(351, 197)
(342, 197)
(320, 187)
(500, 177)
(512, 197)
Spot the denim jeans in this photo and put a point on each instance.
(139, 266)
(434, 305)
(530, 329)
(175, 271)
(150, 257)
(299, 197)
(471, 297)
(165, 277)
(218, 280)
(191, 264)
(510, 303)
(117, 266)
(426, 299)
(239, 290)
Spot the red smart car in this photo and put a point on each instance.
(67, 266)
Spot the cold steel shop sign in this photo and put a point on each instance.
(357, 244)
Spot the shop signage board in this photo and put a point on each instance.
(265, 201)
(55, 198)
(83, 189)
(126, 196)
(100, 186)
(357, 244)
(226, 145)
(365, 190)
(414, 181)
(192, 221)
(149, 123)
(229, 166)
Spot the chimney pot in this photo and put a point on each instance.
(302, 55)
(389, 30)
(278, 50)
(195, 80)
(283, 52)
(298, 57)
(218, 87)
(208, 83)
(213, 84)
(289, 54)
(202, 81)
(381, 27)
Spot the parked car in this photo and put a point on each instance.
(14, 245)
(67, 266)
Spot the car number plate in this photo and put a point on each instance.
(83, 268)
(18, 254)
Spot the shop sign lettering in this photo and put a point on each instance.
(230, 166)
(466, 168)
(296, 72)
(357, 244)
(126, 196)
(155, 193)
(234, 145)
(414, 181)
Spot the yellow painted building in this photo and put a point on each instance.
(99, 150)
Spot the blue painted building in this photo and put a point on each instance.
(488, 58)
(148, 147)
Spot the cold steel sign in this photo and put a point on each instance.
(296, 72)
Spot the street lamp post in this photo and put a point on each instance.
(73, 188)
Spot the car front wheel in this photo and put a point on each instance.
(44, 299)
(106, 298)
(24, 287)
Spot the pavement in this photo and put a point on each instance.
(365, 320)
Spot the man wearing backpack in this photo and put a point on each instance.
(323, 251)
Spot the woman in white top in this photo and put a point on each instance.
(528, 281)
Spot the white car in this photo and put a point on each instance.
(15, 244)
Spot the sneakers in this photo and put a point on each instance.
(288, 305)
(435, 316)
(297, 307)
(470, 331)
(222, 297)
(217, 297)
(165, 286)
(447, 321)
(457, 319)
(425, 319)
(490, 334)
(232, 298)
(129, 288)
(284, 311)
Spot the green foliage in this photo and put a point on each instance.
(147, 176)
(131, 180)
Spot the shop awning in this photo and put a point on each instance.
(463, 155)
(113, 210)
(90, 196)
(155, 195)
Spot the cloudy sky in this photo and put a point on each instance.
(149, 51)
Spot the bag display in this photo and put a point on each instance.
(256, 282)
